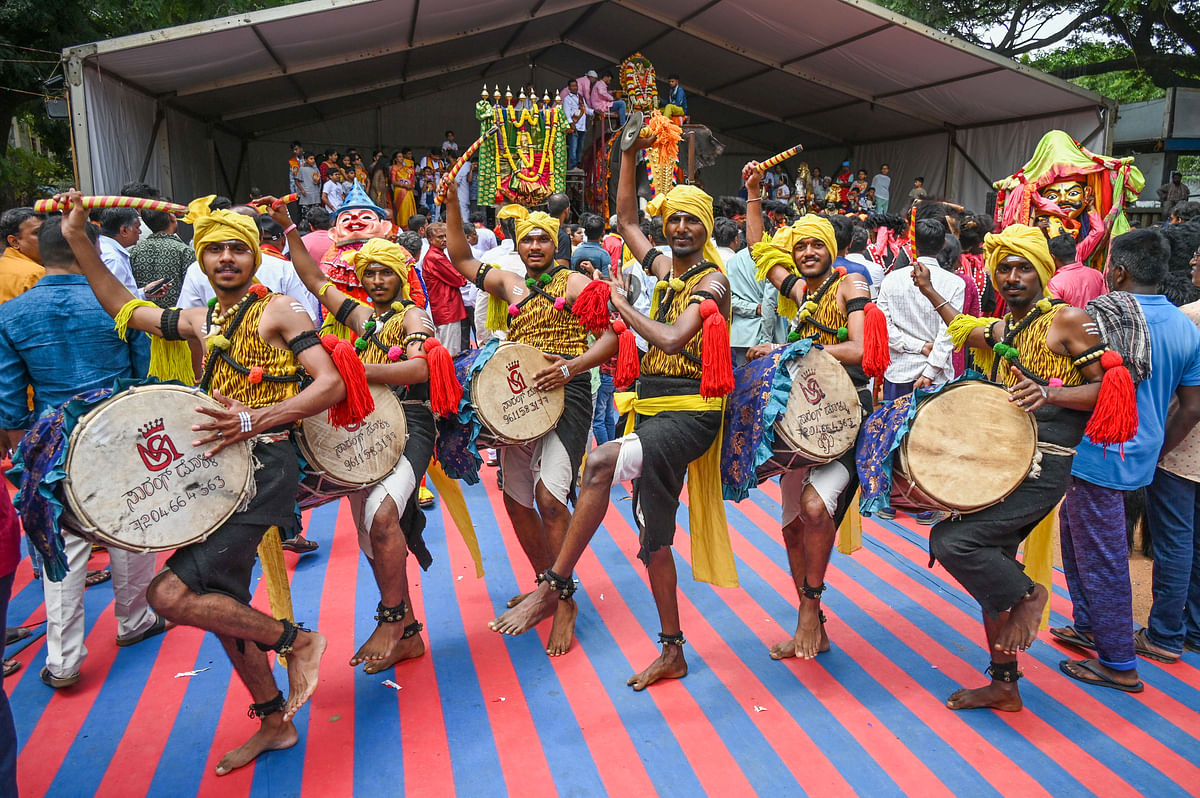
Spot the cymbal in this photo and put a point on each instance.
(631, 131)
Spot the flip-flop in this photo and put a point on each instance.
(1092, 666)
(1142, 647)
(11, 666)
(15, 633)
(156, 628)
(94, 578)
(1069, 635)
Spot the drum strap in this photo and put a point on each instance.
(1043, 448)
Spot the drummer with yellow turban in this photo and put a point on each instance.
(396, 343)
(541, 310)
(1050, 357)
(256, 343)
(674, 418)
(831, 308)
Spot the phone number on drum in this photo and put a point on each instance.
(176, 503)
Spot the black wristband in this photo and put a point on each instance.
(857, 303)
(481, 274)
(346, 309)
(170, 325)
(648, 260)
(789, 282)
(304, 340)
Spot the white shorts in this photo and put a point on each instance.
(366, 503)
(544, 460)
(629, 460)
(451, 336)
(829, 481)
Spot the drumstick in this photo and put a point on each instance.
(457, 166)
(105, 201)
(286, 199)
(775, 160)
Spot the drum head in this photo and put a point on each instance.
(823, 412)
(362, 455)
(135, 481)
(505, 399)
(969, 447)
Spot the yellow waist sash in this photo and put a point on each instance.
(712, 554)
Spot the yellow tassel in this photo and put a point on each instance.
(279, 590)
(331, 326)
(1038, 558)
(497, 314)
(217, 341)
(456, 506)
(125, 314)
(1044, 305)
(171, 360)
(677, 284)
(962, 326)
(660, 288)
(786, 308)
(849, 534)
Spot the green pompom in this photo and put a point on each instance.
(794, 336)
(544, 279)
(212, 303)
(360, 344)
(529, 281)
(369, 326)
(843, 334)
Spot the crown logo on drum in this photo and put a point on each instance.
(513, 366)
(152, 428)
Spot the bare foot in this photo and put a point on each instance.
(274, 734)
(302, 666)
(1003, 696)
(515, 600)
(1024, 618)
(386, 646)
(669, 665)
(563, 630)
(537, 607)
(810, 638)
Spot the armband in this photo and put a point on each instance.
(857, 303)
(1089, 355)
(412, 338)
(700, 296)
(304, 340)
(325, 286)
(346, 309)
(988, 338)
(648, 259)
(789, 282)
(481, 274)
(170, 325)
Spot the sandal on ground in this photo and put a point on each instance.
(58, 682)
(15, 633)
(1072, 637)
(11, 666)
(300, 545)
(1102, 679)
(157, 628)
(1141, 644)
(94, 578)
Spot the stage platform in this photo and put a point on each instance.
(481, 714)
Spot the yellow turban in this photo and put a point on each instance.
(537, 221)
(688, 199)
(1023, 241)
(384, 253)
(779, 250)
(513, 212)
(212, 227)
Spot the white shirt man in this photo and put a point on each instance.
(921, 351)
(275, 273)
(116, 258)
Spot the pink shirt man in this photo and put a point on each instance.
(1077, 284)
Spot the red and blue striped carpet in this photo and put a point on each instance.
(481, 714)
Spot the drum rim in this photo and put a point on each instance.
(306, 450)
(559, 391)
(908, 475)
(822, 460)
(92, 528)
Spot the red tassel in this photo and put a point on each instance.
(716, 358)
(445, 391)
(628, 365)
(358, 403)
(591, 307)
(1115, 417)
(876, 355)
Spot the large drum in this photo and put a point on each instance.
(502, 392)
(341, 461)
(968, 447)
(819, 424)
(135, 481)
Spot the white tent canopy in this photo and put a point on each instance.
(210, 107)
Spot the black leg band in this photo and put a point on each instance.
(391, 614)
(564, 585)
(286, 640)
(813, 593)
(1004, 672)
(412, 629)
(266, 707)
(671, 640)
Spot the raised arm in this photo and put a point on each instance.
(672, 338)
(496, 281)
(754, 224)
(627, 204)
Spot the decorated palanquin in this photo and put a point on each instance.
(523, 158)
(1066, 188)
(640, 84)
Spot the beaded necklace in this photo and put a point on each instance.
(534, 284)
(218, 343)
(1004, 348)
(810, 306)
(375, 324)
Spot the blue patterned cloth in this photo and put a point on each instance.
(759, 398)
(881, 437)
(457, 434)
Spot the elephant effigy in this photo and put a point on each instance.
(1067, 189)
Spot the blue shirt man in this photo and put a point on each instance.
(591, 250)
